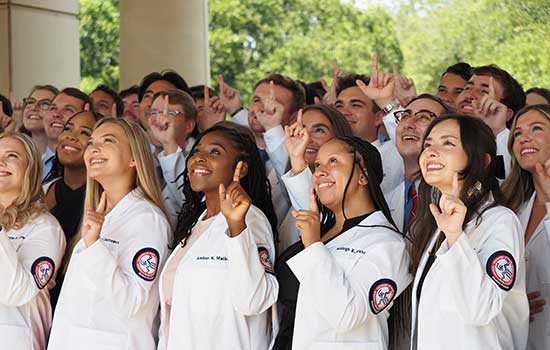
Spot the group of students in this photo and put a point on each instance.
(446, 256)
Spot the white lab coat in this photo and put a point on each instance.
(461, 305)
(392, 164)
(396, 203)
(502, 150)
(223, 292)
(172, 166)
(109, 299)
(30, 257)
(348, 286)
(537, 257)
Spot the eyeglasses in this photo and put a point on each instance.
(421, 117)
(172, 113)
(43, 105)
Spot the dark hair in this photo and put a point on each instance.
(297, 91)
(349, 81)
(339, 123)
(47, 87)
(369, 162)
(513, 95)
(477, 141)
(168, 75)
(183, 99)
(462, 69)
(446, 108)
(197, 92)
(118, 100)
(255, 183)
(6, 105)
(76, 93)
(57, 168)
(542, 92)
(313, 90)
(134, 89)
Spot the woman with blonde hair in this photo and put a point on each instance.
(527, 192)
(109, 298)
(31, 246)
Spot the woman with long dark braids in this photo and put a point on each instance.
(468, 251)
(218, 286)
(352, 262)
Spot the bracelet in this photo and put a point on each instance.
(299, 171)
(391, 105)
(237, 111)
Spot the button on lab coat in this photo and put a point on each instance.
(222, 295)
(461, 306)
(334, 309)
(25, 310)
(104, 304)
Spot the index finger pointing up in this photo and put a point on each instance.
(206, 95)
(299, 119)
(272, 89)
(102, 204)
(221, 84)
(312, 201)
(456, 189)
(492, 91)
(237, 174)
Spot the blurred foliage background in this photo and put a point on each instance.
(251, 38)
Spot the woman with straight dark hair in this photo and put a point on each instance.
(527, 192)
(339, 283)
(467, 253)
(218, 289)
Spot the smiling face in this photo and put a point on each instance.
(531, 140)
(450, 87)
(357, 108)
(409, 133)
(63, 107)
(13, 164)
(443, 156)
(108, 155)
(333, 168)
(212, 162)
(36, 107)
(320, 131)
(72, 142)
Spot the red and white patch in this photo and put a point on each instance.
(381, 294)
(264, 259)
(501, 267)
(146, 263)
(42, 270)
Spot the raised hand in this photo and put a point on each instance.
(308, 221)
(296, 141)
(93, 221)
(214, 110)
(451, 213)
(405, 90)
(493, 112)
(235, 202)
(230, 97)
(381, 85)
(163, 130)
(542, 177)
(329, 98)
(18, 106)
(272, 114)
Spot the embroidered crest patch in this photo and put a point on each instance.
(146, 263)
(264, 259)
(42, 270)
(501, 267)
(381, 294)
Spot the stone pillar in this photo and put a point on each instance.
(39, 44)
(155, 35)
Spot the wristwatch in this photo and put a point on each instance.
(391, 105)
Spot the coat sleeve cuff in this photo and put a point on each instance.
(303, 264)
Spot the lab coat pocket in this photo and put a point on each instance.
(15, 337)
(92, 339)
(346, 346)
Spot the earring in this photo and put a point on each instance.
(475, 189)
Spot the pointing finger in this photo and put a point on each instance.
(374, 65)
(492, 92)
(299, 119)
(237, 174)
(456, 189)
(102, 203)
(87, 107)
(221, 192)
(271, 89)
(206, 95)
(113, 111)
(165, 112)
(221, 84)
(312, 201)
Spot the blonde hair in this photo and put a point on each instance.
(146, 175)
(30, 201)
(518, 186)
